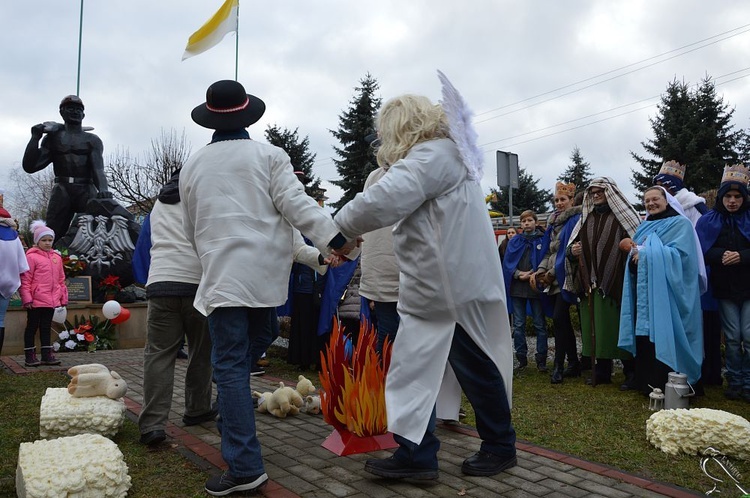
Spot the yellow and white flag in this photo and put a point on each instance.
(211, 33)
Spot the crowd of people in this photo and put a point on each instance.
(223, 249)
(646, 291)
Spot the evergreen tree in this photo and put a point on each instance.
(357, 159)
(299, 153)
(693, 128)
(526, 196)
(578, 172)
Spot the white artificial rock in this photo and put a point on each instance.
(62, 414)
(691, 431)
(82, 466)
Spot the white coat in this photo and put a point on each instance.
(449, 273)
(239, 198)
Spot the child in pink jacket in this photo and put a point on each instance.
(42, 290)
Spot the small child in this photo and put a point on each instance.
(42, 290)
(524, 253)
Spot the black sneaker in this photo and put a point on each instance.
(225, 484)
(487, 464)
(199, 419)
(153, 438)
(733, 393)
(256, 371)
(392, 468)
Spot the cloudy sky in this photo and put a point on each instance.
(541, 76)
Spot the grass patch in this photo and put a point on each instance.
(607, 426)
(164, 473)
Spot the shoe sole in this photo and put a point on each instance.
(424, 475)
(469, 471)
(257, 373)
(251, 486)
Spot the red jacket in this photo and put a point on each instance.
(44, 284)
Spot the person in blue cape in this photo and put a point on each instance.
(551, 275)
(525, 252)
(724, 234)
(660, 317)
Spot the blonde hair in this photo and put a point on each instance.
(405, 121)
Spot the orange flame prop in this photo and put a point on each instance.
(353, 396)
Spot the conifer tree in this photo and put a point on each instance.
(299, 153)
(526, 196)
(356, 155)
(693, 127)
(578, 172)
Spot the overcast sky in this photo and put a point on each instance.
(305, 58)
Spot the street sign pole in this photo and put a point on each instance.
(507, 176)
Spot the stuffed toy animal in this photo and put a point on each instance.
(284, 401)
(305, 387)
(262, 399)
(94, 379)
(311, 406)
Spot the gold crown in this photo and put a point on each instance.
(568, 189)
(673, 168)
(736, 173)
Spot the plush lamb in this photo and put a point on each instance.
(94, 379)
(262, 399)
(284, 401)
(305, 387)
(312, 405)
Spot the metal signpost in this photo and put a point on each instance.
(507, 176)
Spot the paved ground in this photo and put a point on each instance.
(298, 465)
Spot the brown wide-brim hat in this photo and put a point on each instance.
(228, 107)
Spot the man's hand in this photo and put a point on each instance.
(730, 258)
(575, 249)
(348, 247)
(333, 260)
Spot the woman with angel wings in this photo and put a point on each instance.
(452, 298)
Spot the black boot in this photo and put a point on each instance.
(573, 370)
(585, 363)
(541, 363)
(2, 339)
(522, 361)
(557, 374)
(31, 359)
(48, 357)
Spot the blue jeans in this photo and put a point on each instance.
(4, 302)
(519, 327)
(484, 387)
(260, 344)
(233, 330)
(735, 322)
(387, 322)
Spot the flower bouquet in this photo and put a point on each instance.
(110, 286)
(72, 265)
(86, 334)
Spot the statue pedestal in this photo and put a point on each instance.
(342, 442)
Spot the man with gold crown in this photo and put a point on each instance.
(724, 234)
(671, 177)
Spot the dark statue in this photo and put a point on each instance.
(103, 233)
(77, 158)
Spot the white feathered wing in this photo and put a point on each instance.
(461, 129)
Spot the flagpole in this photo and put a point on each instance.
(236, 44)
(80, 37)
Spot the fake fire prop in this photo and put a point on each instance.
(353, 397)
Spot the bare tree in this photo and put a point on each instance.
(29, 195)
(136, 182)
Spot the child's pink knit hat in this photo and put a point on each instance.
(39, 229)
